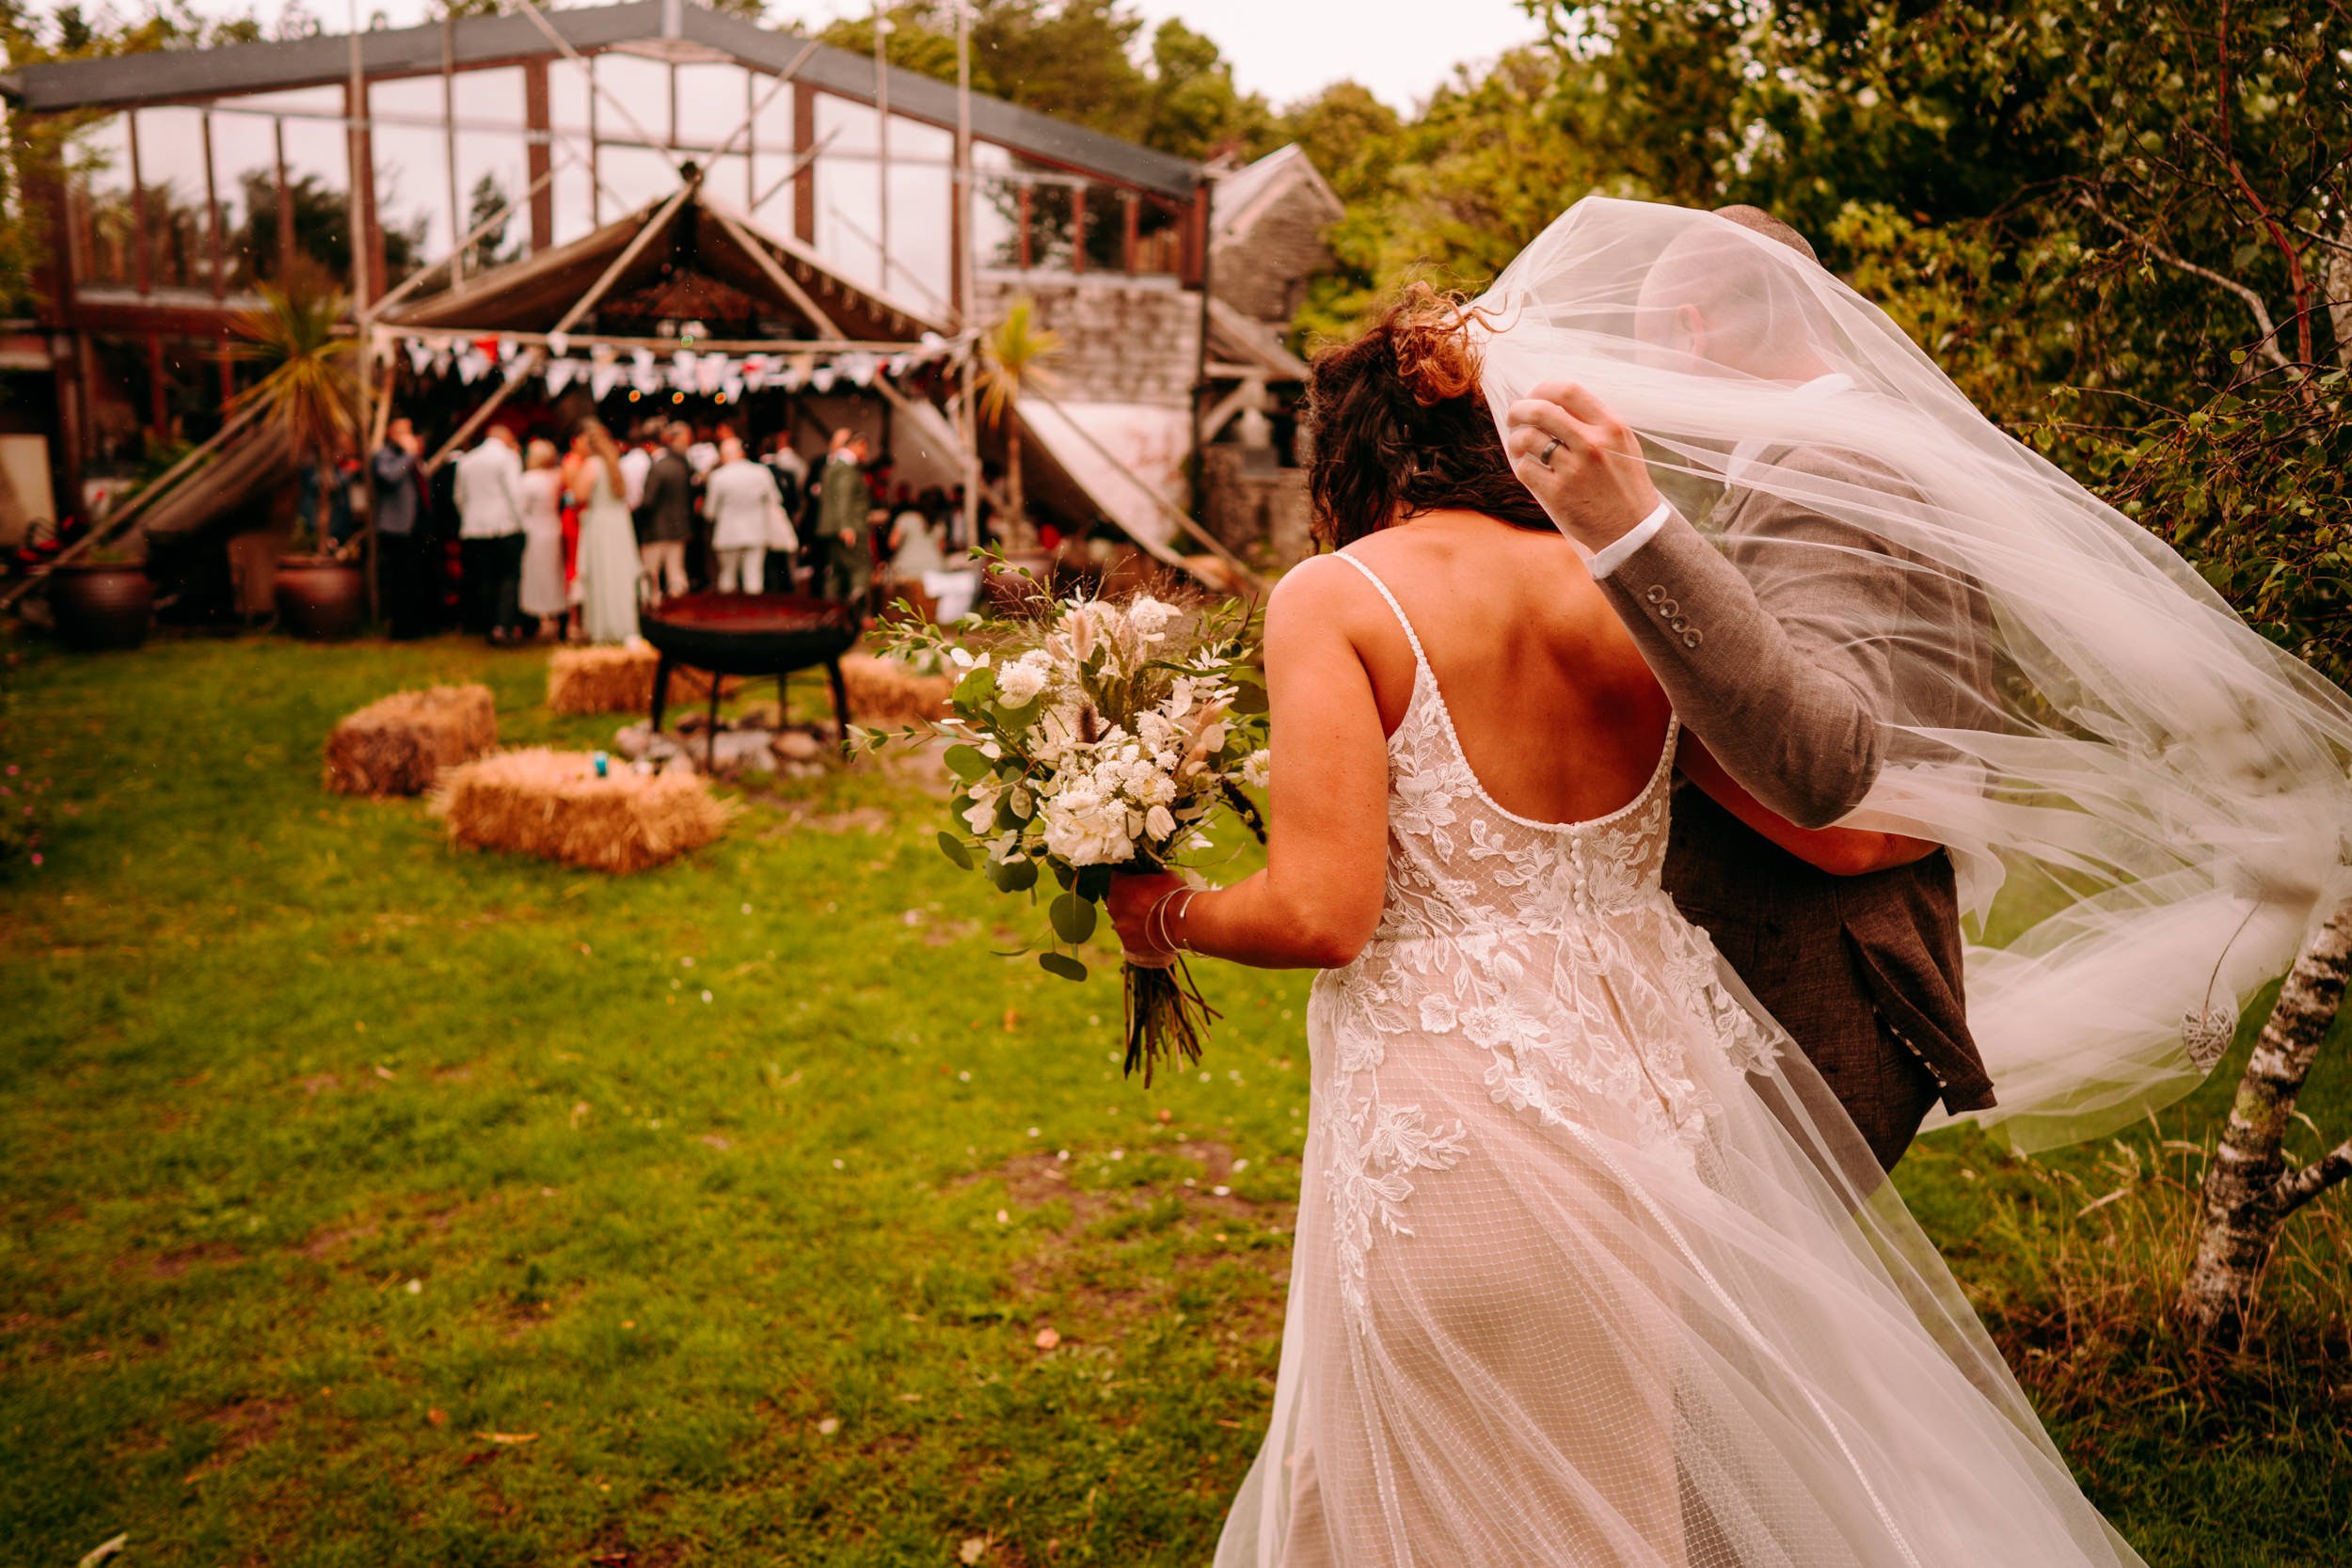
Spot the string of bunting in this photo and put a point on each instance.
(605, 368)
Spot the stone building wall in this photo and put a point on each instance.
(1264, 272)
(1124, 340)
(1257, 510)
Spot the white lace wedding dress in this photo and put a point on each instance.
(1590, 1269)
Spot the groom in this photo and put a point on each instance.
(1864, 970)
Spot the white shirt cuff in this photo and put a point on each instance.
(1613, 555)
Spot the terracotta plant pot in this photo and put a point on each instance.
(321, 600)
(100, 607)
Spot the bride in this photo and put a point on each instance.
(1590, 1267)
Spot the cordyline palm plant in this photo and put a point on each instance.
(1013, 357)
(305, 396)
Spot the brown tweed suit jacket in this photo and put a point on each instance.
(1863, 971)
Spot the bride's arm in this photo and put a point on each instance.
(1318, 899)
(1840, 852)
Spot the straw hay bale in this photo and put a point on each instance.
(618, 680)
(884, 691)
(397, 744)
(550, 804)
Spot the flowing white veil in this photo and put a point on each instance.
(2156, 795)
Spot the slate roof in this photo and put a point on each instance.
(179, 74)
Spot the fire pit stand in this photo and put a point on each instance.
(749, 635)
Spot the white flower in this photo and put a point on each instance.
(1437, 1014)
(1257, 770)
(965, 661)
(1084, 825)
(1020, 682)
(1150, 617)
(1001, 849)
(990, 749)
(980, 815)
(1158, 823)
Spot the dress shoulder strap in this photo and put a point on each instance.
(1402, 619)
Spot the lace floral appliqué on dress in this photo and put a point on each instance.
(1580, 1279)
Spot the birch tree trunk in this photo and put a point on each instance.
(2250, 1190)
(2335, 283)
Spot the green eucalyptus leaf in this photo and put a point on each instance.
(966, 763)
(1073, 918)
(1061, 964)
(1013, 875)
(952, 846)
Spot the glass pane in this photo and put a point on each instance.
(411, 174)
(120, 392)
(1050, 211)
(568, 95)
(922, 194)
(1160, 236)
(105, 224)
(995, 209)
(712, 100)
(574, 191)
(493, 97)
(844, 127)
(848, 190)
(245, 181)
(772, 130)
(318, 186)
(635, 175)
(493, 170)
(729, 182)
(641, 88)
(769, 173)
(171, 170)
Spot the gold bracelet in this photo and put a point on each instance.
(1177, 942)
(1160, 944)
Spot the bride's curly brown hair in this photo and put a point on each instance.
(1397, 427)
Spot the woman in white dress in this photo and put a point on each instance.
(608, 544)
(1589, 1268)
(544, 593)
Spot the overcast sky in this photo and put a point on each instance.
(1284, 49)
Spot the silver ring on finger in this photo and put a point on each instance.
(1542, 458)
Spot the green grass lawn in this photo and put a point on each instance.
(368, 1203)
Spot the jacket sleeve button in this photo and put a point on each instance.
(1656, 593)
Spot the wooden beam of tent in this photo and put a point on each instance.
(480, 416)
(580, 306)
(817, 313)
(629, 253)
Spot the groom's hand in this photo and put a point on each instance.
(1581, 462)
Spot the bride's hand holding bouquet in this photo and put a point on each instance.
(1094, 742)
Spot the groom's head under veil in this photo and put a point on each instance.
(2156, 795)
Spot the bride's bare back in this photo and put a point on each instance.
(1557, 713)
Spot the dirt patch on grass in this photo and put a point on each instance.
(326, 1242)
(177, 1262)
(242, 1425)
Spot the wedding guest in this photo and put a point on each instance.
(669, 514)
(915, 546)
(396, 482)
(608, 566)
(739, 499)
(843, 504)
(488, 497)
(635, 459)
(544, 596)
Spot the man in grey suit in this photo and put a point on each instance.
(1863, 970)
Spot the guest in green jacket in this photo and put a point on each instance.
(843, 502)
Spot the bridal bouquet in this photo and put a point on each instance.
(1100, 736)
